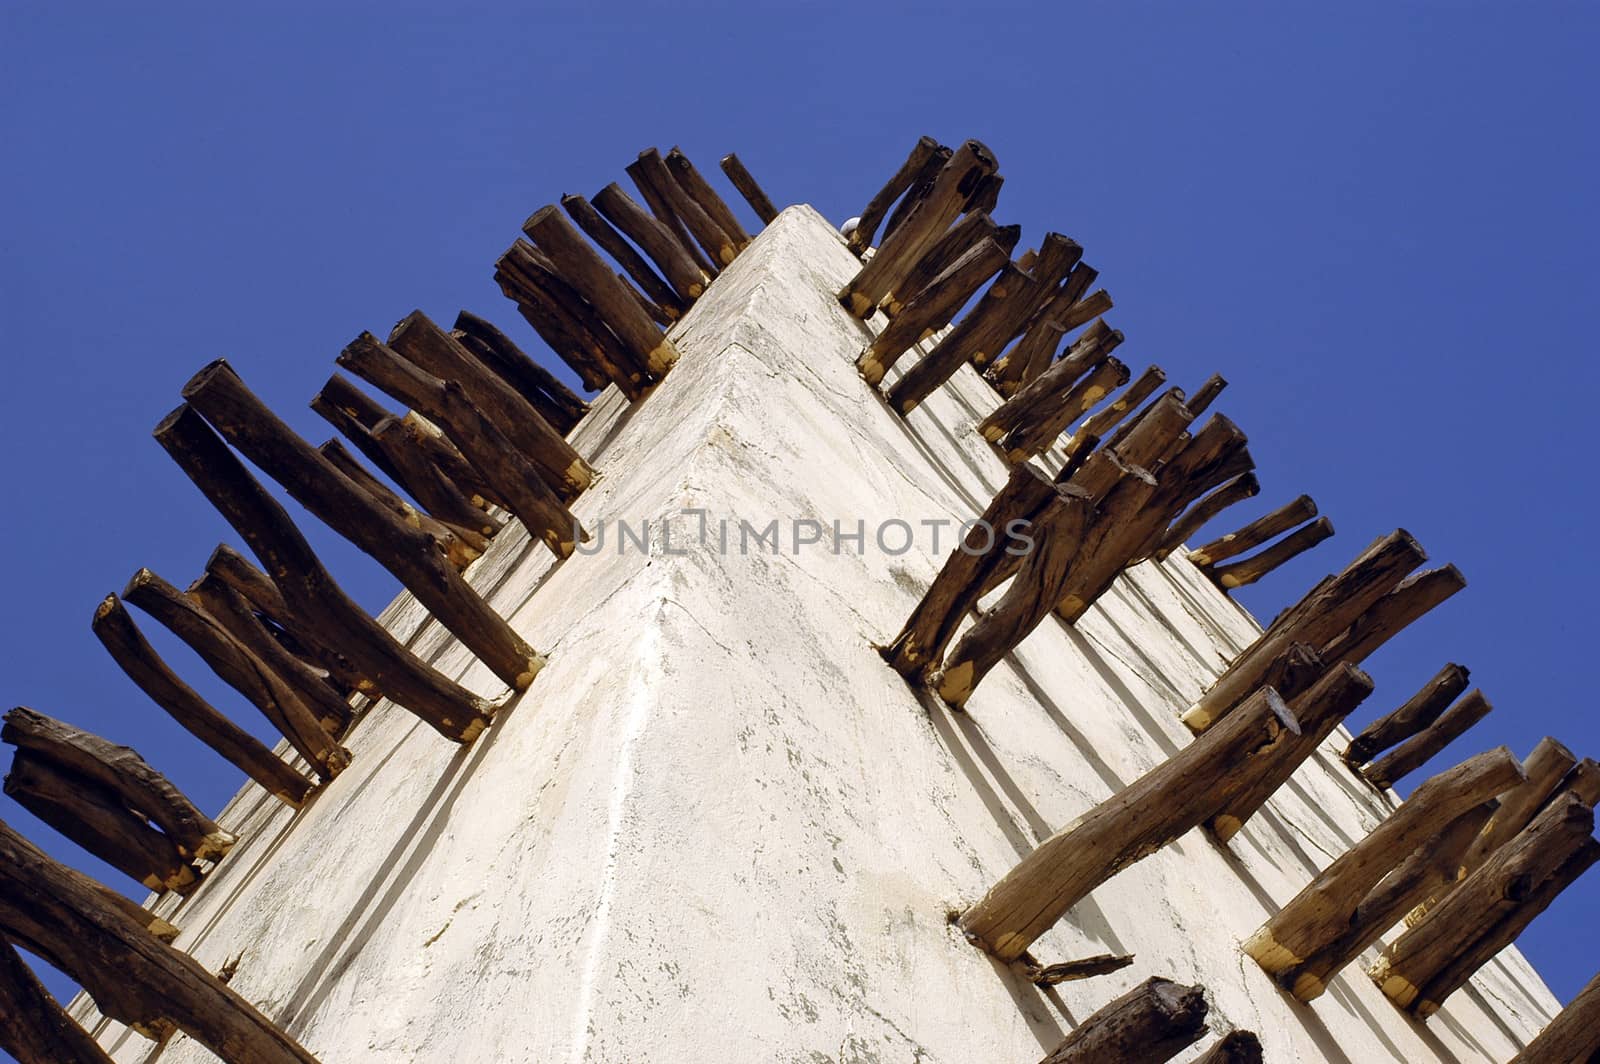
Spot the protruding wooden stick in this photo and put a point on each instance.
(1256, 532)
(1043, 409)
(128, 647)
(966, 234)
(1416, 751)
(462, 546)
(604, 234)
(930, 309)
(1196, 517)
(120, 770)
(1409, 600)
(698, 189)
(1583, 781)
(687, 278)
(133, 978)
(679, 210)
(512, 471)
(1573, 1037)
(1051, 387)
(1192, 466)
(1319, 710)
(1103, 420)
(1419, 711)
(1249, 570)
(921, 642)
(745, 183)
(1544, 769)
(575, 259)
(231, 660)
(921, 185)
(926, 223)
(34, 1028)
(230, 610)
(873, 214)
(1150, 1024)
(1071, 971)
(422, 478)
(566, 321)
(986, 197)
(1058, 536)
(1325, 611)
(1181, 793)
(1115, 531)
(324, 611)
(1421, 967)
(97, 819)
(1235, 1047)
(231, 567)
(1207, 393)
(1293, 945)
(554, 401)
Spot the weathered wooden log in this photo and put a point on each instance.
(34, 1028)
(745, 183)
(1105, 419)
(921, 185)
(1180, 794)
(566, 321)
(926, 222)
(1247, 571)
(97, 819)
(1544, 769)
(554, 401)
(320, 607)
(899, 182)
(1419, 711)
(1294, 944)
(513, 473)
(1194, 465)
(1197, 516)
(1324, 612)
(462, 546)
(1416, 751)
(966, 234)
(133, 978)
(1116, 529)
(1409, 600)
(1420, 968)
(1080, 312)
(120, 770)
(704, 238)
(1235, 1047)
(587, 272)
(1058, 535)
(930, 309)
(229, 609)
(1044, 413)
(687, 278)
(1160, 426)
(1152, 1023)
(1583, 781)
(425, 345)
(1071, 971)
(424, 481)
(986, 197)
(921, 642)
(1256, 532)
(1573, 1037)
(698, 189)
(241, 669)
(1319, 710)
(231, 567)
(1052, 385)
(1041, 336)
(128, 647)
(651, 285)
(1207, 393)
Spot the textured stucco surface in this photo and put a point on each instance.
(718, 827)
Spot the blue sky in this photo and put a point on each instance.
(1377, 221)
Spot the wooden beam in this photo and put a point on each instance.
(1072, 971)
(1409, 600)
(878, 206)
(133, 653)
(119, 770)
(1115, 530)
(921, 185)
(1194, 465)
(34, 1028)
(1181, 793)
(241, 669)
(1419, 969)
(425, 482)
(1419, 749)
(1249, 570)
(930, 309)
(899, 251)
(745, 183)
(1418, 711)
(1544, 769)
(1256, 532)
(97, 819)
(1150, 1024)
(1044, 408)
(966, 234)
(1235, 1047)
(461, 546)
(319, 605)
(1319, 710)
(1196, 517)
(1583, 781)
(687, 278)
(1324, 612)
(660, 194)
(921, 641)
(1573, 1036)
(565, 320)
(554, 401)
(698, 189)
(718, 245)
(603, 233)
(1207, 393)
(513, 473)
(1103, 420)
(1054, 383)
(132, 977)
(1329, 911)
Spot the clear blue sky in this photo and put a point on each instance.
(1377, 220)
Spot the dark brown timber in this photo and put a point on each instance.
(1247, 571)
(1150, 1024)
(1419, 711)
(1196, 517)
(1572, 1037)
(554, 401)
(878, 206)
(679, 212)
(931, 308)
(34, 1028)
(745, 183)
(1256, 532)
(698, 189)
(687, 278)
(1418, 750)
